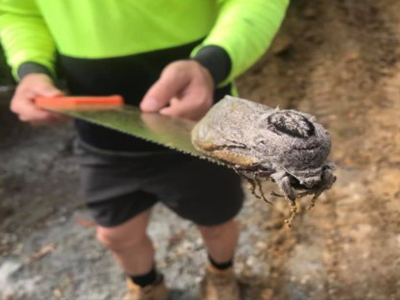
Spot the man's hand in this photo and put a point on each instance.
(185, 89)
(22, 104)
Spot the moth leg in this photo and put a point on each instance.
(303, 194)
(312, 203)
(260, 189)
(252, 186)
(328, 179)
(314, 199)
(283, 181)
(293, 212)
(277, 195)
(250, 181)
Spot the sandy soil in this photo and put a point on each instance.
(338, 60)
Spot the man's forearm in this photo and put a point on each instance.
(28, 45)
(244, 30)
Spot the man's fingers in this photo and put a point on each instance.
(50, 91)
(186, 81)
(160, 94)
(33, 114)
(42, 117)
(170, 84)
(28, 112)
(23, 103)
(192, 106)
(52, 120)
(182, 112)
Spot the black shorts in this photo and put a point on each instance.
(119, 186)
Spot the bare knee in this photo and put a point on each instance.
(215, 232)
(125, 237)
(118, 241)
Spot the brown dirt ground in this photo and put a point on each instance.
(338, 60)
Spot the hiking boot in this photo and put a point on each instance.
(219, 284)
(155, 291)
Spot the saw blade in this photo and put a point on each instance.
(174, 133)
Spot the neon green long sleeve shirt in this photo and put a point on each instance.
(33, 30)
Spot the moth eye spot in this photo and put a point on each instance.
(290, 123)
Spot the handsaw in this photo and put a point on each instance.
(111, 112)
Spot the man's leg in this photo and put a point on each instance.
(220, 281)
(206, 194)
(134, 252)
(130, 244)
(220, 241)
(113, 188)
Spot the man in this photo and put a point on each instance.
(141, 50)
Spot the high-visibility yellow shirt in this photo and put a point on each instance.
(33, 30)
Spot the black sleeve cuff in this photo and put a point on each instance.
(31, 67)
(216, 60)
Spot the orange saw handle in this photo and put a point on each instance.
(65, 102)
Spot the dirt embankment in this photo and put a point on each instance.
(340, 61)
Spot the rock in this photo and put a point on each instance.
(309, 13)
(281, 44)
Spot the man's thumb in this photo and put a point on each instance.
(50, 91)
(150, 104)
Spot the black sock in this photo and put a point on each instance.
(220, 266)
(145, 279)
